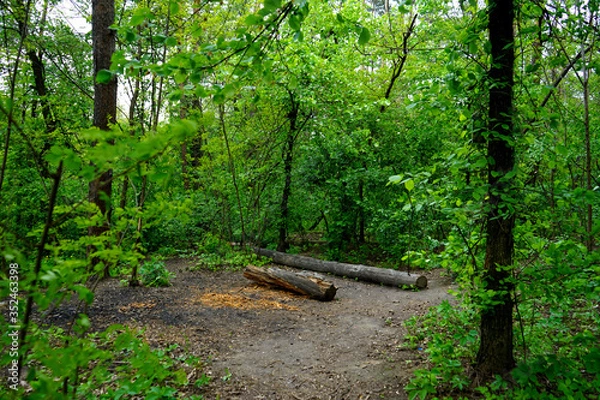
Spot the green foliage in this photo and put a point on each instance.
(447, 335)
(154, 273)
(216, 254)
(556, 331)
(112, 364)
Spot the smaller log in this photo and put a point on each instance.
(312, 286)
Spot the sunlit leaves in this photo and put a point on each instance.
(409, 183)
(104, 76)
(294, 22)
(405, 6)
(254, 19)
(174, 7)
(140, 15)
(364, 36)
(270, 6)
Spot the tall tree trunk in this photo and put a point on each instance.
(283, 244)
(589, 240)
(495, 356)
(288, 156)
(361, 210)
(183, 112)
(137, 246)
(105, 105)
(233, 173)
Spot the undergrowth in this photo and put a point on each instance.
(215, 254)
(154, 273)
(117, 363)
(556, 330)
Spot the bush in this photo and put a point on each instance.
(154, 273)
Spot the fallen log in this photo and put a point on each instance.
(311, 286)
(384, 276)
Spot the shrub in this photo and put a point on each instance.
(154, 273)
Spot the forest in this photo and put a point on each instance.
(458, 138)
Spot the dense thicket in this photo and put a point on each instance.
(360, 127)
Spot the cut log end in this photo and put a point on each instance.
(421, 282)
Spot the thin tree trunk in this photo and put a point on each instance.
(361, 211)
(141, 200)
(38, 263)
(13, 83)
(283, 244)
(495, 355)
(184, 152)
(233, 174)
(400, 61)
(589, 240)
(158, 104)
(288, 156)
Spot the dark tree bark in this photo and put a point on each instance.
(495, 355)
(283, 244)
(288, 157)
(105, 104)
(35, 57)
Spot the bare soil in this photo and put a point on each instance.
(262, 343)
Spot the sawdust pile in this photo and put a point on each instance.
(249, 298)
(133, 306)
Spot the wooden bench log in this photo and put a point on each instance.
(389, 277)
(311, 286)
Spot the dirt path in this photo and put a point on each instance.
(267, 344)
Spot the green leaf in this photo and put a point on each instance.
(201, 91)
(409, 185)
(294, 22)
(171, 41)
(180, 76)
(140, 15)
(532, 67)
(395, 178)
(104, 76)
(176, 95)
(55, 154)
(219, 98)
(130, 36)
(272, 5)
(364, 37)
(84, 321)
(174, 7)
(84, 293)
(293, 83)
(137, 20)
(72, 162)
(229, 90)
(254, 19)
(196, 77)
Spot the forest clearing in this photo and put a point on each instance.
(168, 166)
(257, 342)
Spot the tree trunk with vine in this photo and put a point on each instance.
(495, 355)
